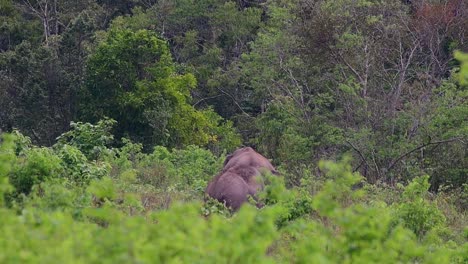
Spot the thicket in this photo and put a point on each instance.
(69, 203)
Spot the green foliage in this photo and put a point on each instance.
(7, 157)
(22, 142)
(213, 206)
(337, 191)
(47, 172)
(31, 93)
(416, 212)
(127, 71)
(226, 137)
(91, 140)
(132, 79)
(191, 166)
(234, 27)
(194, 163)
(103, 189)
(463, 58)
(348, 230)
(34, 166)
(302, 81)
(293, 142)
(54, 195)
(106, 220)
(294, 204)
(15, 28)
(135, 239)
(447, 165)
(78, 168)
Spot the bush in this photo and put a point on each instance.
(416, 212)
(93, 218)
(7, 157)
(77, 167)
(189, 167)
(91, 140)
(34, 166)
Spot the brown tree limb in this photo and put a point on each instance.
(360, 154)
(234, 100)
(206, 98)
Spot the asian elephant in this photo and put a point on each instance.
(248, 157)
(240, 178)
(233, 186)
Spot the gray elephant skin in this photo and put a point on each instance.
(240, 178)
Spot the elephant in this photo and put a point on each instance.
(240, 178)
(247, 156)
(233, 186)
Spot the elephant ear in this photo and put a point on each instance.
(228, 158)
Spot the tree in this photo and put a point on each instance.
(326, 77)
(131, 78)
(15, 27)
(35, 92)
(41, 67)
(204, 36)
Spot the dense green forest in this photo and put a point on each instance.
(114, 116)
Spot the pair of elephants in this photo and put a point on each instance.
(240, 178)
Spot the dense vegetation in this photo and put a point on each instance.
(116, 114)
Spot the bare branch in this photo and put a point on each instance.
(360, 154)
(206, 98)
(234, 100)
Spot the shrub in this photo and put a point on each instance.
(188, 167)
(34, 166)
(7, 157)
(103, 219)
(416, 212)
(77, 167)
(91, 140)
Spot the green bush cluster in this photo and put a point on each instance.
(416, 212)
(127, 206)
(178, 169)
(34, 166)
